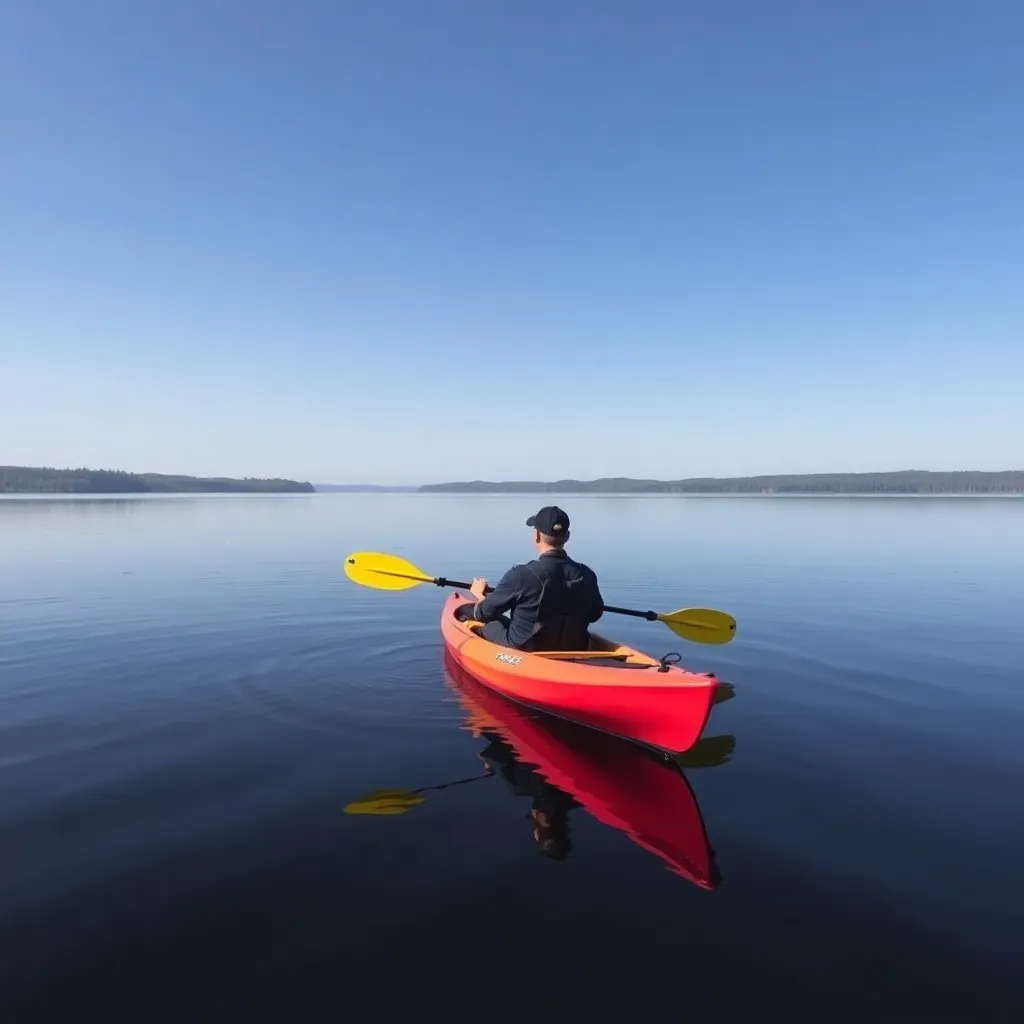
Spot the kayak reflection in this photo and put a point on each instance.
(561, 766)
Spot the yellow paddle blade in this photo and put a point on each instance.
(383, 572)
(701, 625)
(385, 801)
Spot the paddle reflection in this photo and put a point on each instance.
(562, 766)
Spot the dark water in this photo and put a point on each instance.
(191, 692)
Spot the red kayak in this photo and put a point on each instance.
(610, 686)
(617, 782)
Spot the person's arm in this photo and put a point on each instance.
(596, 603)
(500, 599)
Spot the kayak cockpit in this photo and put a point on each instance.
(601, 652)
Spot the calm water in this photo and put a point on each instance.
(191, 692)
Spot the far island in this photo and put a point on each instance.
(910, 481)
(44, 480)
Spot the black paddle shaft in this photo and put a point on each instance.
(441, 581)
(650, 616)
(457, 584)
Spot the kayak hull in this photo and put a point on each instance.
(610, 687)
(619, 783)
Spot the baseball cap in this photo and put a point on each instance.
(550, 520)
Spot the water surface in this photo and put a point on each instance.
(191, 692)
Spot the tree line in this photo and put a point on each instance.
(46, 480)
(900, 482)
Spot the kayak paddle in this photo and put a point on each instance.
(707, 752)
(389, 572)
(398, 801)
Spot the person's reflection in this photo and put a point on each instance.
(549, 814)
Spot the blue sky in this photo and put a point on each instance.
(417, 241)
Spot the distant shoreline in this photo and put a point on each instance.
(29, 480)
(908, 482)
(45, 480)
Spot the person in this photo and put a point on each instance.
(552, 601)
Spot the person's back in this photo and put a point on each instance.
(551, 601)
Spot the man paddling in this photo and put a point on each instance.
(552, 600)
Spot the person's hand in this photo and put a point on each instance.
(478, 588)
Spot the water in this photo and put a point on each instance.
(191, 692)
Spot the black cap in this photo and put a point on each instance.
(551, 521)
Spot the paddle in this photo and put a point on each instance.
(707, 752)
(398, 801)
(389, 572)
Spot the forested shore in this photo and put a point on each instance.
(44, 480)
(900, 482)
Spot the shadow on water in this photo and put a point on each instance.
(562, 766)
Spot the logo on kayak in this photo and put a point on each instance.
(509, 659)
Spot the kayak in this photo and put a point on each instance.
(620, 784)
(610, 686)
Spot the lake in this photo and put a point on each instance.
(191, 692)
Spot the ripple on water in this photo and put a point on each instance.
(71, 685)
(354, 681)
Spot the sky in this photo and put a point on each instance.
(408, 242)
